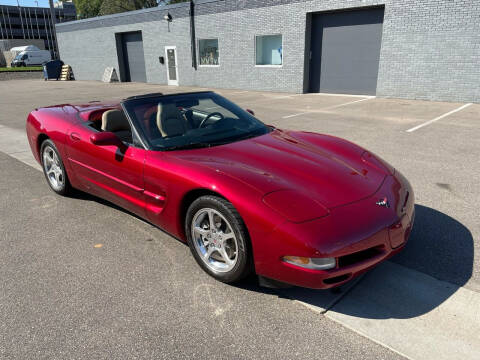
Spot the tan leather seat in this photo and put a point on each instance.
(170, 121)
(115, 121)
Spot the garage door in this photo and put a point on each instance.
(345, 51)
(133, 57)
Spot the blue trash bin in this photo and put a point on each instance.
(52, 69)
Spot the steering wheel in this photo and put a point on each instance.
(204, 121)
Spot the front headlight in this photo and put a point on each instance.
(311, 263)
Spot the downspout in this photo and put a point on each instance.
(192, 34)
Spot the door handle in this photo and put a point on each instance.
(74, 136)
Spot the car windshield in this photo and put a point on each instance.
(186, 121)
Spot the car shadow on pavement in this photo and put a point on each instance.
(437, 260)
(80, 195)
(439, 246)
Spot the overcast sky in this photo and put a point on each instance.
(41, 3)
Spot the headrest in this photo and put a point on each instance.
(167, 111)
(165, 114)
(115, 120)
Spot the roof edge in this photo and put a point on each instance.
(134, 12)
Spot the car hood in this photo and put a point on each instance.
(327, 169)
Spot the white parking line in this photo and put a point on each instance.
(238, 92)
(254, 102)
(439, 118)
(293, 115)
(287, 96)
(329, 107)
(348, 103)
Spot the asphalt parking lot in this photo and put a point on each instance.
(140, 295)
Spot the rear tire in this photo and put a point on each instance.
(53, 168)
(218, 239)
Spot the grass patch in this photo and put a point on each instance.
(19, 69)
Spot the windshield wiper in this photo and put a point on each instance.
(235, 138)
(197, 145)
(187, 146)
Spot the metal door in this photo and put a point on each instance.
(133, 57)
(345, 51)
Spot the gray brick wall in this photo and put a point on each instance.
(430, 48)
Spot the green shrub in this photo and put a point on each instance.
(26, 68)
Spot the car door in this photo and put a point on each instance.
(157, 180)
(106, 171)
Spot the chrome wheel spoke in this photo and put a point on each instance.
(47, 158)
(211, 220)
(228, 236)
(58, 176)
(201, 231)
(54, 158)
(209, 252)
(225, 256)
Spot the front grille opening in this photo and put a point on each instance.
(336, 279)
(359, 256)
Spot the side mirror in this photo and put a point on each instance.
(251, 112)
(106, 138)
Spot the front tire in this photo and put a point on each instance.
(53, 168)
(218, 239)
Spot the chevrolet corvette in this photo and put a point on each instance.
(293, 207)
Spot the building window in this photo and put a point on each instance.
(208, 52)
(268, 50)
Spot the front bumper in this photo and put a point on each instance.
(359, 235)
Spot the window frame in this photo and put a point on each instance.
(198, 52)
(255, 51)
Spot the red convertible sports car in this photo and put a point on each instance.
(294, 207)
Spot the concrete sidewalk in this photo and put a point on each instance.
(411, 313)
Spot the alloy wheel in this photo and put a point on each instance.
(214, 240)
(53, 169)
